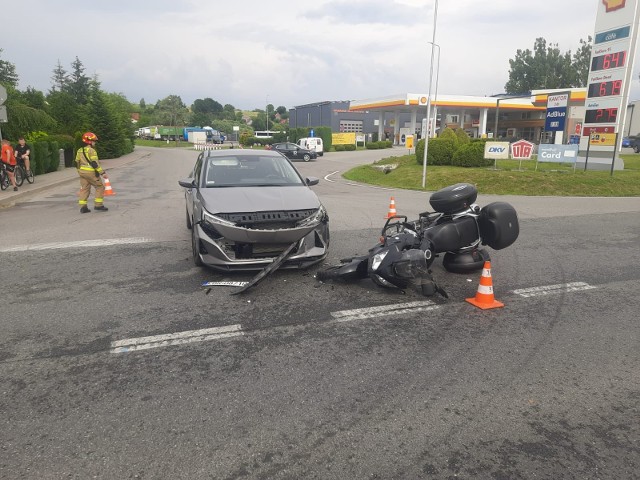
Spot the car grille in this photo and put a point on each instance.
(267, 220)
(238, 251)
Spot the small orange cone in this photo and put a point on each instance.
(392, 209)
(484, 298)
(107, 188)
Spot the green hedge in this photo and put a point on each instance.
(350, 147)
(471, 155)
(339, 148)
(440, 151)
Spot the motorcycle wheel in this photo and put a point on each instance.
(465, 262)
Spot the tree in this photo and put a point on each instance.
(78, 83)
(104, 121)
(60, 78)
(8, 75)
(547, 67)
(581, 62)
(171, 111)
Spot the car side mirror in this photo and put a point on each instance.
(187, 183)
(312, 181)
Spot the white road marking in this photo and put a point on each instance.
(373, 312)
(178, 338)
(326, 177)
(78, 244)
(553, 289)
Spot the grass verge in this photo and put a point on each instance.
(550, 178)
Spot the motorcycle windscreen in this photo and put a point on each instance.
(499, 225)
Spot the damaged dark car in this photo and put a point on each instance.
(246, 207)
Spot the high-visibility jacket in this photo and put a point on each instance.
(84, 156)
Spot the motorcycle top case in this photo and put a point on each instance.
(499, 225)
(454, 198)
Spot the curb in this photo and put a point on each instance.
(7, 201)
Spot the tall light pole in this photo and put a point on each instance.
(426, 140)
(435, 96)
(267, 110)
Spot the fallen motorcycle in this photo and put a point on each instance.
(407, 249)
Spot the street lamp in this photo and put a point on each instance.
(426, 140)
(435, 96)
(267, 110)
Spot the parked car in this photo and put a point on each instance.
(632, 141)
(246, 207)
(294, 152)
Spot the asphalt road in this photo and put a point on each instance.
(301, 379)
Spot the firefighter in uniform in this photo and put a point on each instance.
(90, 171)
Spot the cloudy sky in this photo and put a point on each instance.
(285, 52)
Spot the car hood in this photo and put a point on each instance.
(258, 199)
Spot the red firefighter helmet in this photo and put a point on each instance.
(89, 137)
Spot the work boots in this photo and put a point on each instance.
(100, 208)
(84, 209)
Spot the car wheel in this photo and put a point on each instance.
(306, 157)
(189, 224)
(195, 250)
(636, 149)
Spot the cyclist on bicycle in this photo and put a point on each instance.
(9, 160)
(22, 153)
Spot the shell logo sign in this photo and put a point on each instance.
(422, 100)
(612, 5)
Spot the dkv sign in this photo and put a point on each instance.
(496, 150)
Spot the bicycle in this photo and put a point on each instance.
(4, 177)
(21, 173)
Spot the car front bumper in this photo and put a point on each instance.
(242, 249)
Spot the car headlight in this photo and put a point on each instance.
(316, 217)
(377, 259)
(213, 220)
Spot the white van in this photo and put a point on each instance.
(312, 143)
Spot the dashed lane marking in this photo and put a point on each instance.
(78, 244)
(383, 310)
(178, 338)
(553, 289)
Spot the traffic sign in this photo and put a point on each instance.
(3, 114)
(3, 94)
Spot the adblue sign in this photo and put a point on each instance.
(556, 112)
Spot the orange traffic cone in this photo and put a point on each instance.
(392, 209)
(484, 298)
(107, 188)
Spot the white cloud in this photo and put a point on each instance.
(293, 52)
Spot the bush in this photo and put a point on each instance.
(471, 155)
(350, 147)
(54, 157)
(440, 151)
(462, 136)
(448, 133)
(41, 157)
(373, 145)
(339, 148)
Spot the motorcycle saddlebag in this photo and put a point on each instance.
(454, 198)
(499, 225)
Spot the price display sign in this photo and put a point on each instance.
(605, 89)
(601, 115)
(609, 61)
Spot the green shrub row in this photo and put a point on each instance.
(379, 145)
(453, 147)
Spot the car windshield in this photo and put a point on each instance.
(248, 171)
